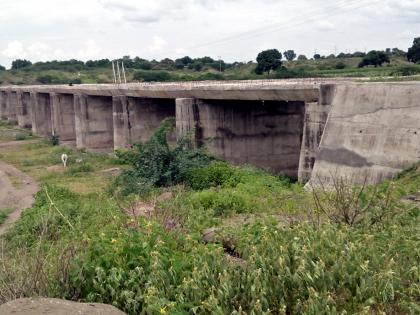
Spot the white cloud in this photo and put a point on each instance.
(13, 50)
(233, 29)
(157, 46)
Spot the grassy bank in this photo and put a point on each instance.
(398, 67)
(269, 246)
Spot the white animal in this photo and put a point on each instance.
(64, 158)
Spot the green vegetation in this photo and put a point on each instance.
(276, 248)
(269, 65)
(268, 60)
(4, 214)
(413, 53)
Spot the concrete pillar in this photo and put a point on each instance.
(12, 107)
(41, 114)
(188, 120)
(3, 105)
(316, 115)
(121, 122)
(264, 134)
(94, 122)
(79, 102)
(63, 116)
(24, 111)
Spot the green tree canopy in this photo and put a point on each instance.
(374, 58)
(413, 53)
(268, 60)
(20, 63)
(2, 68)
(289, 55)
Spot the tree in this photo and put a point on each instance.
(289, 55)
(302, 57)
(374, 58)
(20, 63)
(268, 60)
(413, 53)
(2, 68)
(317, 56)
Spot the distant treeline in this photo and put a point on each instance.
(197, 64)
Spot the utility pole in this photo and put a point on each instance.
(119, 74)
(123, 71)
(113, 71)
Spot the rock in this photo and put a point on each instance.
(209, 235)
(45, 306)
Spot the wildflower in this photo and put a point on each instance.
(103, 234)
(113, 241)
(163, 310)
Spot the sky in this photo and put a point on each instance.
(235, 30)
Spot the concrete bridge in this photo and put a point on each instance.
(273, 124)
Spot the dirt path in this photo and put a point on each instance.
(16, 189)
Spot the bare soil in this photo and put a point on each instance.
(16, 189)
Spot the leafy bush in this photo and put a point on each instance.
(156, 164)
(152, 76)
(216, 174)
(21, 136)
(55, 139)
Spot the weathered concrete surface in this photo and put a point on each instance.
(135, 119)
(94, 122)
(264, 134)
(62, 114)
(372, 132)
(11, 101)
(316, 115)
(3, 105)
(24, 110)
(44, 306)
(41, 114)
(288, 90)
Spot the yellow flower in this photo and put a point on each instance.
(113, 241)
(163, 310)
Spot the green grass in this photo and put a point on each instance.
(307, 68)
(85, 245)
(4, 214)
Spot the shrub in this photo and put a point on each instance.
(21, 136)
(156, 164)
(216, 174)
(55, 139)
(151, 76)
(340, 65)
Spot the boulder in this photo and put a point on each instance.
(46, 306)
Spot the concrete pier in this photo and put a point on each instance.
(24, 110)
(63, 117)
(135, 118)
(41, 114)
(299, 128)
(12, 105)
(94, 122)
